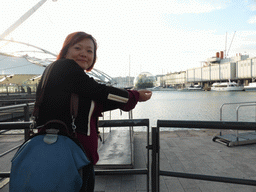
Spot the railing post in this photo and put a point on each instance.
(155, 160)
(26, 118)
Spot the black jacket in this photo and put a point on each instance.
(68, 77)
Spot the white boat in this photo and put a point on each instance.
(227, 86)
(195, 88)
(250, 87)
(162, 89)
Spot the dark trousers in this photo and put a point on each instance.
(88, 179)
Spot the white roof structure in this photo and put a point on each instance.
(18, 65)
(17, 58)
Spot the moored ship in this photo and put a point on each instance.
(195, 88)
(250, 87)
(227, 86)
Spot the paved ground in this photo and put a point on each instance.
(181, 151)
(189, 152)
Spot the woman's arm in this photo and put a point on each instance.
(134, 98)
(144, 95)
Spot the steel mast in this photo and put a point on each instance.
(23, 18)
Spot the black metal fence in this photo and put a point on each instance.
(103, 123)
(154, 146)
(156, 172)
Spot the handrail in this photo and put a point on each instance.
(26, 113)
(102, 123)
(156, 173)
(155, 168)
(237, 109)
(237, 115)
(16, 106)
(208, 124)
(15, 125)
(127, 122)
(130, 128)
(10, 150)
(221, 107)
(16, 100)
(209, 178)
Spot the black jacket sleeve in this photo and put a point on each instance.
(88, 88)
(68, 77)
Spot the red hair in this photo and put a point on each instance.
(74, 38)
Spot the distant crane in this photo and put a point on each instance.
(226, 54)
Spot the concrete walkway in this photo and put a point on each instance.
(181, 151)
(189, 152)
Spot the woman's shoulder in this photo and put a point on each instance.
(66, 63)
(66, 67)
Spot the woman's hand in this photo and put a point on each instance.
(144, 95)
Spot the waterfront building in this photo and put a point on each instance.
(177, 79)
(160, 82)
(19, 74)
(240, 69)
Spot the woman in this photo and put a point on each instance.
(78, 55)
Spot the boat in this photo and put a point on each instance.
(227, 86)
(250, 87)
(195, 88)
(161, 89)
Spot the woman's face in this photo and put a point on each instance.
(82, 53)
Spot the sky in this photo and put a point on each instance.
(155, 36)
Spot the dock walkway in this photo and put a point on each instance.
(117, 150)
(187, 151)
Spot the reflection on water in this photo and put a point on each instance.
(201, 105)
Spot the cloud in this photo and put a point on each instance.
(252, 20)
(130, 28)
(185, 6)
(253, 7)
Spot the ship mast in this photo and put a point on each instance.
(226, 45)
(231, 42)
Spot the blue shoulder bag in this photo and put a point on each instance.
(51, 160)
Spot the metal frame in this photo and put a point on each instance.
(103, 123)
(233, 140)
(156, 172)
(221, 108)
(125, 123)
(155, 146)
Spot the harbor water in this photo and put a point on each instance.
(191, 105)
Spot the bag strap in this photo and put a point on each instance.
(73, 101)
(44, 80)
(74, 105)
(74, 110)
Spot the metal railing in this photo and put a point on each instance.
(156, 172)
(26, 108)
(130, 116)
(103, 123)
(17, 124)
(239, 105)
(8, 102)
(125, 123)
(155, 147)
